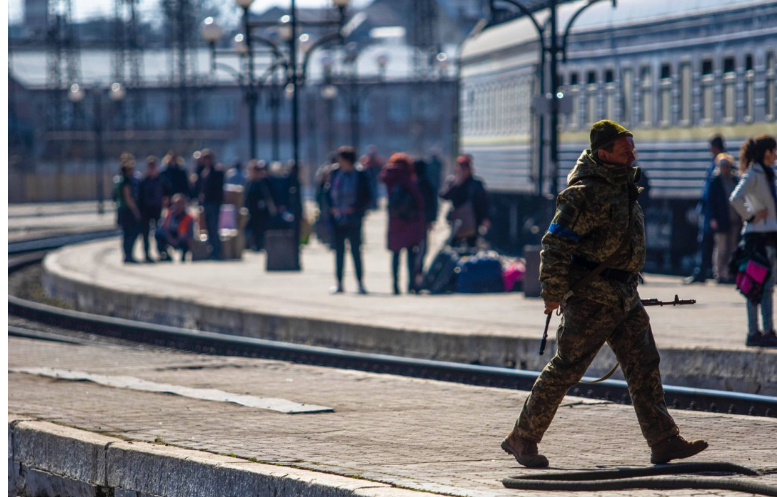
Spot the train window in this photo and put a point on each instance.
(574, 117)
(609, 95)
(729, 89)
(729, 65)
(685, 93)
(646, 103)
(749, 88)
(665, 99)
(707, 92)
(627, 95)
(729, 97)
(706, 67)
(771, 91)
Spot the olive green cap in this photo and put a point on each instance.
(604, 133)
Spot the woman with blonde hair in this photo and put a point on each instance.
(725, 222)
(755, 199)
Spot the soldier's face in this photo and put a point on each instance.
(622, 152)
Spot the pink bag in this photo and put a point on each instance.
(751, 281)
(512, 274)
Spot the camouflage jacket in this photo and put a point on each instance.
(592, 217)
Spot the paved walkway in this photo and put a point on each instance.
(698, 343)
(417, 434)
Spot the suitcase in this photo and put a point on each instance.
(440, 278)
(200, 248)
(480, 274)
(282, 249)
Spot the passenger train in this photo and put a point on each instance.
(672, 71)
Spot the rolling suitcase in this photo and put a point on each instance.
(480, 274)
(441, 275)
(282, 250)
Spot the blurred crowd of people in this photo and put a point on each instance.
(176, 204)
(348, 187)
(738, 229)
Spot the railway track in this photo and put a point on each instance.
(22, 255)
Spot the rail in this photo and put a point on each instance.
(205, 342)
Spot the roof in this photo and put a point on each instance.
(599, 15)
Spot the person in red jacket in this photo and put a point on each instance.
(177, 230)
(407, 221)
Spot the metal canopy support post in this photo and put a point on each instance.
(251, 93)
(98, 150)
(552, 94)
(553, 99)
(295, 183)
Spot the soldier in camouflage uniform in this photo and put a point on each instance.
(593, 216)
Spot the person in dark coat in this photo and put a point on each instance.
(348, 196)
(724, 220)
(431, 208)
(126, 186)
(175, 174)
(706, 237)
(407, 220)
(153, 195)
(259, 202)
(461, 189)
(211, 197)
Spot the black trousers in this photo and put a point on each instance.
(258, 225)
(412, 270)
(352, 233)
(707, 246)
(148, 217)
(130, 229)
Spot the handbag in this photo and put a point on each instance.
(752, 266)
(464, 216)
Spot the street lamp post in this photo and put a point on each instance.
(553, 48)
(76, 95)
(295, 76)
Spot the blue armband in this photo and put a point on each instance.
(563, 232)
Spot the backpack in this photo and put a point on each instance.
(402, 204)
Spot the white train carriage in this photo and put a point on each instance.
(673, 71)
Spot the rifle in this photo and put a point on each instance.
(676, 301)
(645, 302)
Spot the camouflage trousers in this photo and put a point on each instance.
(585, 327)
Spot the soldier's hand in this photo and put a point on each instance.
(551, 306)
(761, 215)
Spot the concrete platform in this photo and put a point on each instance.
(387, 437)
(701, 345)
(27, 221)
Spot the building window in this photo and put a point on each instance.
(729, 89)
(627, 96)
(665, 95)
(646, 86)
(749, 88)
(771, 93)
(707, 92)
(686, 93)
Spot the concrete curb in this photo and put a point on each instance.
(751, 371)
(49, 459)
